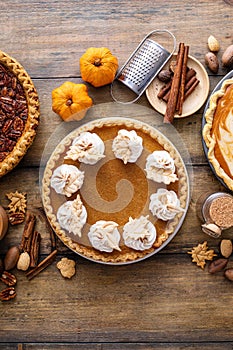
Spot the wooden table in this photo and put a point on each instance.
(163, 302)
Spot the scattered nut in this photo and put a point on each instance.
(217, 265)
(11, 258)
(7, 294)
(165, 75)
(229, 274)
(227, 57)
(16, 218)
(3, 222)
(24, 261)
(66, 267)
(8, 278)
(211, 60)
(226, 248)
(213, 44)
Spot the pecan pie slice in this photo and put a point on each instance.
(218, 132)
(19, 112)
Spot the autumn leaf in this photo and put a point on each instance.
(18, 202)
(200, 254)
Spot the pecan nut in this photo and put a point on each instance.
(7, 294)
(8, 278)
(16, 218)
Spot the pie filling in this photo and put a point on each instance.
(19, 112)
(116, 213)
(218, 132)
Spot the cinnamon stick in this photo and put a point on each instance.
(42, 265)
(27, 232)
(172, 101)
(165, 88)
(35, 248)
(182, 81)
(191, 88)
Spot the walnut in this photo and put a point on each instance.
(66, 267)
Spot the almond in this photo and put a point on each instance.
(213, 44)
(24, 261)
(229, 274)
(226, 248)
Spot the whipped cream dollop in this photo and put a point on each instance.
(165, 204)
(104, 236)
(160, 167)
(72, 216)
(127, 145)
(67, 179)
(139, 234)
(87, 148)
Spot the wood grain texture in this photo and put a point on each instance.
(165, 302)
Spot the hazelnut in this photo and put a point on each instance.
(11, 258)
(211, 60)
(227, 57)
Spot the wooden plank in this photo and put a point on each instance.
(128, 346)
(162, 299)
(57, 34)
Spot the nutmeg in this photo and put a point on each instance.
(227, 57)
(165, 75)
(229, 274)
(211, 60)
(11, 258)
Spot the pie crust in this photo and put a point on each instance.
(218, 132)
(30, 121)
(102, 182)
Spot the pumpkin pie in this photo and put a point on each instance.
(218, 132)
(19, 112)
(132, 194)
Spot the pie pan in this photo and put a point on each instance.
(205, 148)
(193, 102)
(24, 87)
(126, 190)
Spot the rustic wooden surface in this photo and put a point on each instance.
(164, 302)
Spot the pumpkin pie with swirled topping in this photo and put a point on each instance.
(115, 193)
(218, 132)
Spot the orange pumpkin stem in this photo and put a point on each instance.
(97, 62)
(69, 102)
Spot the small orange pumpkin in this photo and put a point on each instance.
(98, 66)
(70, 101)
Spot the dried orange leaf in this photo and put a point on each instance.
(200, 254)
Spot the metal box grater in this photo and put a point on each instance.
(144, 64)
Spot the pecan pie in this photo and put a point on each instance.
(218, 132)
(115, 209)
(19, 112)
